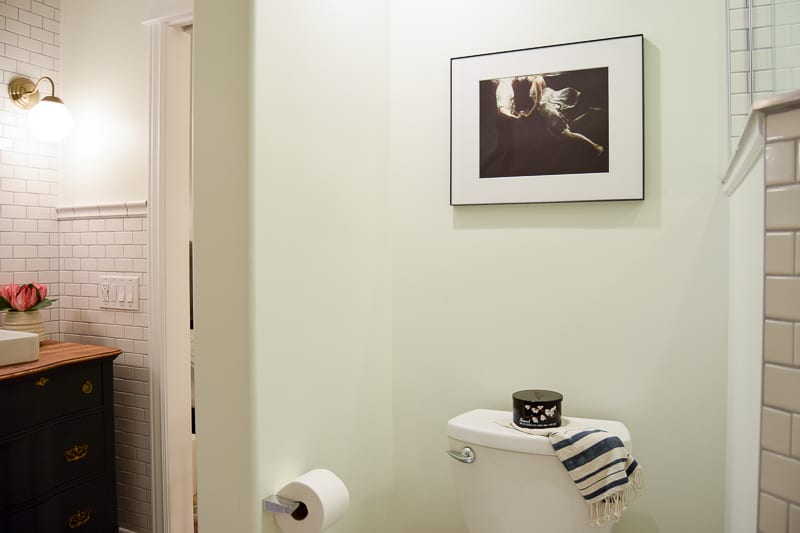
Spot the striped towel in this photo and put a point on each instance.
(606, 475)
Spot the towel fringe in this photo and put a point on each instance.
(611, 508)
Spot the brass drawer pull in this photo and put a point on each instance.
(41, 382)
(87, 387)
(76, 453)
(79, 519)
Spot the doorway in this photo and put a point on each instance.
(171, 234)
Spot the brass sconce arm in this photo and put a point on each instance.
(25, 94)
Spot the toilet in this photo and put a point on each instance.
(508, 481)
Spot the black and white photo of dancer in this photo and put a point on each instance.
(538, 124)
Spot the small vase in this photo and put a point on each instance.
(27, 321)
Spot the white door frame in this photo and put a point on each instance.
(168, 483)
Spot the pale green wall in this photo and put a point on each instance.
(321, 249)
(620, 306)
(305, 189)
(378, 311)
(224, 318)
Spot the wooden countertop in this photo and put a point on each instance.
(53, 354)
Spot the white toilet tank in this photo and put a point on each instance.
(516, 484)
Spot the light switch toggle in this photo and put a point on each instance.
(119, 292)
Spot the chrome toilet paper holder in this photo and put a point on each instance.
(279, 504)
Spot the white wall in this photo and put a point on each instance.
(321, 249)
(106, 84)
(295, 369)
(169, 9)
(745, 315)
(620, 306)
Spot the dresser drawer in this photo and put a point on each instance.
(35, 463)
(34, 399)
(85, 508)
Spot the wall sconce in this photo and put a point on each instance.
(49, 119)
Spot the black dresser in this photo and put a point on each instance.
(57, 466)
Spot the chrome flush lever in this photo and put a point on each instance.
(466, 455)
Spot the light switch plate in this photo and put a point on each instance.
(119, 292)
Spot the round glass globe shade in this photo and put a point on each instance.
(50, 121)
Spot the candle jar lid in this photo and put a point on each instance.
(537, 408)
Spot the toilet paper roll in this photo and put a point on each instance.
(324, 495)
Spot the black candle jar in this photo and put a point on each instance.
(537, 408)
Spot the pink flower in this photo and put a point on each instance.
(23, 297)
(42, 290)
(27, 296)
(7, 292)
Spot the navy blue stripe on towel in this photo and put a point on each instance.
(593, 452)
(631, 467)
(609, 465)
(602, 479)
(606, 488)
(574, 438)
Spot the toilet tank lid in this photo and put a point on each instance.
(490, 428)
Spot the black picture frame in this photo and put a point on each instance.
(557, 123)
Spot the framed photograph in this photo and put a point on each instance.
(561, 123)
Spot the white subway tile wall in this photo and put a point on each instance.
(70, 255)
(89, 248)
(28, 168)
(780, 422)
(766, 34)
(739, 66)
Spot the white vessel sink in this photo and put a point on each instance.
(18, 347)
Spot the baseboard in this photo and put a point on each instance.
(123, 530)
